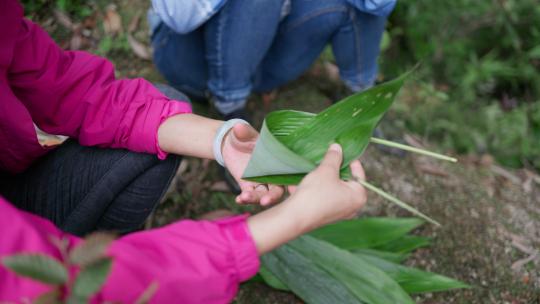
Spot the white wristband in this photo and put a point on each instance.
(220, 135)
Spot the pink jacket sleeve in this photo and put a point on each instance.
(76, 94)
(192, 262)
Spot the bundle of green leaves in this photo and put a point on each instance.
(355, 261)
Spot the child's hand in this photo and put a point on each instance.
(237, 148)
(323, 198)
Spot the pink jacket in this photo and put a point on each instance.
(76, 94)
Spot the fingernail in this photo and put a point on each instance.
(335, 147)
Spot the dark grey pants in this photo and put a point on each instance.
(83, 189)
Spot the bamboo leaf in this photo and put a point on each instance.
(91, 278)
(293, 142)
(39, 267)
(404, 244)
(368, 283)
(385, 255)
(305, 278)
(411, 279)
(270, 279)
(366, 232)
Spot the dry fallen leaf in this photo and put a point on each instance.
(112, 22)
(139, 49)
(332, 71)
(132, 27)
(63, 19)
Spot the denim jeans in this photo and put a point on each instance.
(83, 189)
(245, 47)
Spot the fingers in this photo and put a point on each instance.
(272, 196)
(292, 189)
(357, 170)
(259, 193)
(333, 158)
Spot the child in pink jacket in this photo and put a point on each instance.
(107, 176)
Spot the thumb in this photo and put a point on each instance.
(244, 132)
(333, 158)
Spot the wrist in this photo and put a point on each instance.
(273, 227)
(220, 136)
(296, 212)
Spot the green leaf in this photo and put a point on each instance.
(92, 249)
(306, 279)
(405, 244)
(368, 283)
(366, 232)
(385, 255)
(413, 280)
(51, 297)
(293, 142)
(39, 267)
(91, 278)
(270, 279)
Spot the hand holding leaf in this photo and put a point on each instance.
(237, 148)
(292, 143)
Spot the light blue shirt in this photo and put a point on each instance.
(183, 16)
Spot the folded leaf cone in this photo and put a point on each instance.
(293, 143)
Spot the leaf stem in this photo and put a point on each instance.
(396, 201)
(381, 141)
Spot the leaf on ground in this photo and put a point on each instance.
(405, 244)
(302, 276)
(138, 48)
(63, 19)
(366, 232)
(112, 22)
(270, 279)
(367, 282)
(411, 279)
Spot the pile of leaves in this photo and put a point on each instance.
(355, 261)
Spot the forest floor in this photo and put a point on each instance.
(490, 216)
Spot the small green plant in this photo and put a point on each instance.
(89, 257)
(481, 68)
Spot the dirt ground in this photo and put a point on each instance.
(490, 234)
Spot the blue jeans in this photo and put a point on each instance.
(245, 47)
